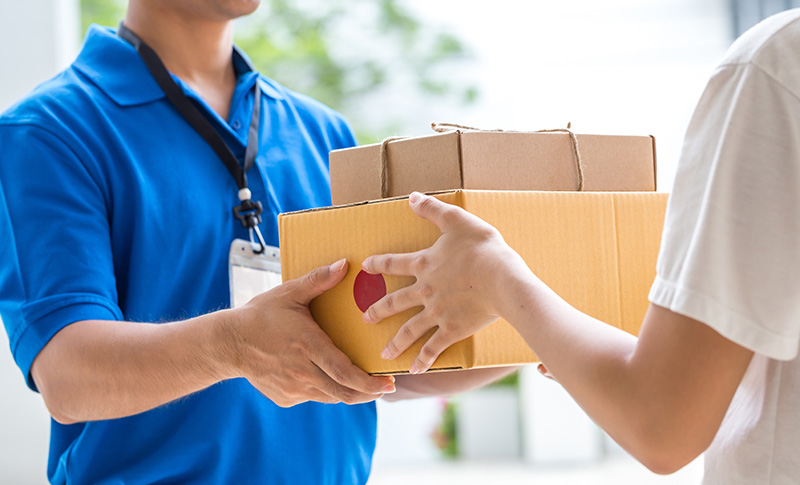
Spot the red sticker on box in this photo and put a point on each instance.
(367, 289)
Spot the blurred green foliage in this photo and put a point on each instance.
(103, 12)
(445, 436)
(339, 51)
(511, 380)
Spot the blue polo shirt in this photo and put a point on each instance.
(113, 208)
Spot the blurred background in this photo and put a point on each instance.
(392, 67)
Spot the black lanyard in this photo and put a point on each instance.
(249, 211)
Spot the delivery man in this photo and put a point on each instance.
(715, 366)
(123, 181)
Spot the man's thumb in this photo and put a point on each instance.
(320, 280)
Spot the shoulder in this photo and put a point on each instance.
(771, 47)
(315, 115)
(58, 106)
(59, 124)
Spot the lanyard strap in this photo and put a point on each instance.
(249, 211)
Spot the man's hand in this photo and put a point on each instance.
(456, 281)
(276, 344)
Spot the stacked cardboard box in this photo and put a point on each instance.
(596, 248)
(490, 160)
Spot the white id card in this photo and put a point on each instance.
(251, 274)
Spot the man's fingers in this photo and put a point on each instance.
(311, 394)
(393, 303)
(329, 391)
(319, 280)
(391, 264)
(409, 333)
(340, 369)
(429, 352)
(440, 213)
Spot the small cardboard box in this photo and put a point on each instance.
(487, 160)
(597, 250)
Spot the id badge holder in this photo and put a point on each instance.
(251, 273)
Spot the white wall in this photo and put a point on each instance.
(37, 39)
(24, 426)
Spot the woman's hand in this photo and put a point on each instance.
(460, 281)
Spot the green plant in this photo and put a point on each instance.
(511, 380)
(445, 436)
(103, 12)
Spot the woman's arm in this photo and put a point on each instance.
(662, 396)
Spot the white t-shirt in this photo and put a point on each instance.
(730, 254)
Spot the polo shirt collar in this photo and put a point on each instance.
(114, 66)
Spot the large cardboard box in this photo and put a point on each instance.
(597, 250)
(489, 160)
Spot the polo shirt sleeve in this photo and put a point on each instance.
(342, 136)
(56, 264)
(730, 252)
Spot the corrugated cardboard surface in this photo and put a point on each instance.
(493, 161)
(596, 249)
(426, 164)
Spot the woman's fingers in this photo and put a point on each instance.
(392, 264)
(414, 329)
(442, 214)
(543, 371)
(438, 343)
(410, 332)
(393, 303)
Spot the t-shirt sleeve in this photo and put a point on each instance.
(730, 252)
(56, 264)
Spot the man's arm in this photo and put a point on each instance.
(661, 397)
(93, 370)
